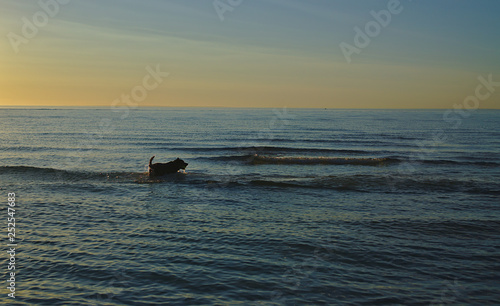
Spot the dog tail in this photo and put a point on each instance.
(151, 161)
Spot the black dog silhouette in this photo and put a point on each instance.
(159, 169)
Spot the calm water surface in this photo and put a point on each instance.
(276, 207)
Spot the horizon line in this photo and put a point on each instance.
(230, 107)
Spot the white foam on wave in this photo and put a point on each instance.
(258, 159)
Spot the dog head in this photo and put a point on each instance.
(179, 163)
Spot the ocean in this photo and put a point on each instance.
(276, 206)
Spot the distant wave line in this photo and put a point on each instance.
(257, 159)
(270, 149)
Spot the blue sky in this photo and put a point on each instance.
(264, 53)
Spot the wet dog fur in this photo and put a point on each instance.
(159, 169)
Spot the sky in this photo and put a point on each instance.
(250, 53)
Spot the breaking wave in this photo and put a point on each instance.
(256, 160)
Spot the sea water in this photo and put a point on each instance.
(276, 206)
